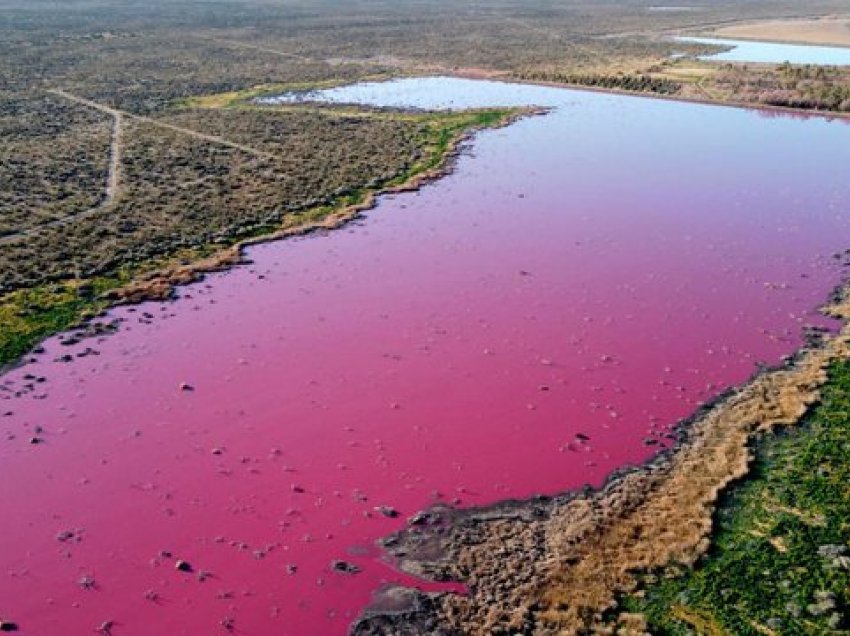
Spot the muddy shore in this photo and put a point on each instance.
(558, 565)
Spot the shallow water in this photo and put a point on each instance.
(600, 270)
(775, 52)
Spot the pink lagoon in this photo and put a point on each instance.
(539, 318)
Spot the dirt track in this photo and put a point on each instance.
(113, 180)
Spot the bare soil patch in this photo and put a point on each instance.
(833, 31)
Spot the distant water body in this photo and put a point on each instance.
(774, 52)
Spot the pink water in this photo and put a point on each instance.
(598, 271)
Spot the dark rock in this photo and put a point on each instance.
(8, 626)
(182, 566)
(399, 611)
(345, 567)
(85, 290)
(425, 518)
(387, 511)
(831, 551)
(87, 582)
(67, 536)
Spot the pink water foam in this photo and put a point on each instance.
(450, 347)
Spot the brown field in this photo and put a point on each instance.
(831, 30)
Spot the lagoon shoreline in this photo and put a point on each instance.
(554, 564)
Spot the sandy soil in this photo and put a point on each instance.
(832, 30)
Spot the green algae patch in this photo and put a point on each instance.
(780, 558)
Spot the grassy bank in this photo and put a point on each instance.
(780, 558)
(29, 315)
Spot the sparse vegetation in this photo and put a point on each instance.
(179, 190)
(53, 160)
(794, 86)
(803, 87)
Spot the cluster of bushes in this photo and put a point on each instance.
(793, 86)
(637, 82)
(837, 99)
